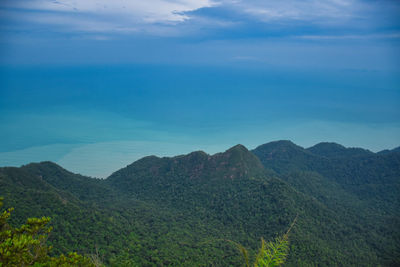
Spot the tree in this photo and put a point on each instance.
(271, 254)
(26, 245)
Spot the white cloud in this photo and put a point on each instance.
(81, 23)
(148, 11)
(175, 11)
(105, 15)
(160, 17)
(305, 10)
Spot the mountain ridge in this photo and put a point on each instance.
(332, 150)
(246, 163)
(173, 210)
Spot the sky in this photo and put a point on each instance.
(94, 85)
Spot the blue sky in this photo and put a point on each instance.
(94, 85)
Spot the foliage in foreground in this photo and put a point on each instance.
(272, 253)
(26, 246)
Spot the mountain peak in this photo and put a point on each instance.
(328, 145)
(389, 151)
(195, 155)
(45, 167)
(283, 156)
(281, 145)
(282, 148)
(238, 148)
(330, 150)
(236, 155)
(49, 164)
(235, 163)
(238, 152)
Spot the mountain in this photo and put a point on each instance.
(387, 151)
(355, 167)
(333, 150)
(46, 189)
(371, 177)
(181, 211)
(231, 192)
(81, 187)
(362, 185)
(284, 156)
(196, 168)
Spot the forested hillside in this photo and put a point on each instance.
(181, 211)
(362, 186)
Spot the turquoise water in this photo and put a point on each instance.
(94, 120)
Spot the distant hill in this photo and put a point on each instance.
(371, 176)
(333, 150)
(387, 151)
(46, 189)
(283, 156)
(344, 179)
(179, 211)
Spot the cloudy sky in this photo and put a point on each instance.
(94, 84)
